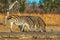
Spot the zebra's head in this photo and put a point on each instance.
(10, 17)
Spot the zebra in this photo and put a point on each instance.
(39, 23)
(31, 22)
(20, 21)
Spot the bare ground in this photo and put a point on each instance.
(30, 35)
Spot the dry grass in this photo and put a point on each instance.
(49, 19)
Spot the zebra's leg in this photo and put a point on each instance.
(28, 26)
(42, 29)
(24, 25)
(11, 24)
(20, 27)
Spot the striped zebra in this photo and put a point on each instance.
(21, 22)
(39, 23)
(31, 22)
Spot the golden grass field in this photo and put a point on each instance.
(52, 24)
(52, 21)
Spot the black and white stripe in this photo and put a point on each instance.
(20, 21)
(40, 24)
(31, 22)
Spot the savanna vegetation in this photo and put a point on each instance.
(48, 6)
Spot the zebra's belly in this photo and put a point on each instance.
(18, 24)
(21, 23)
